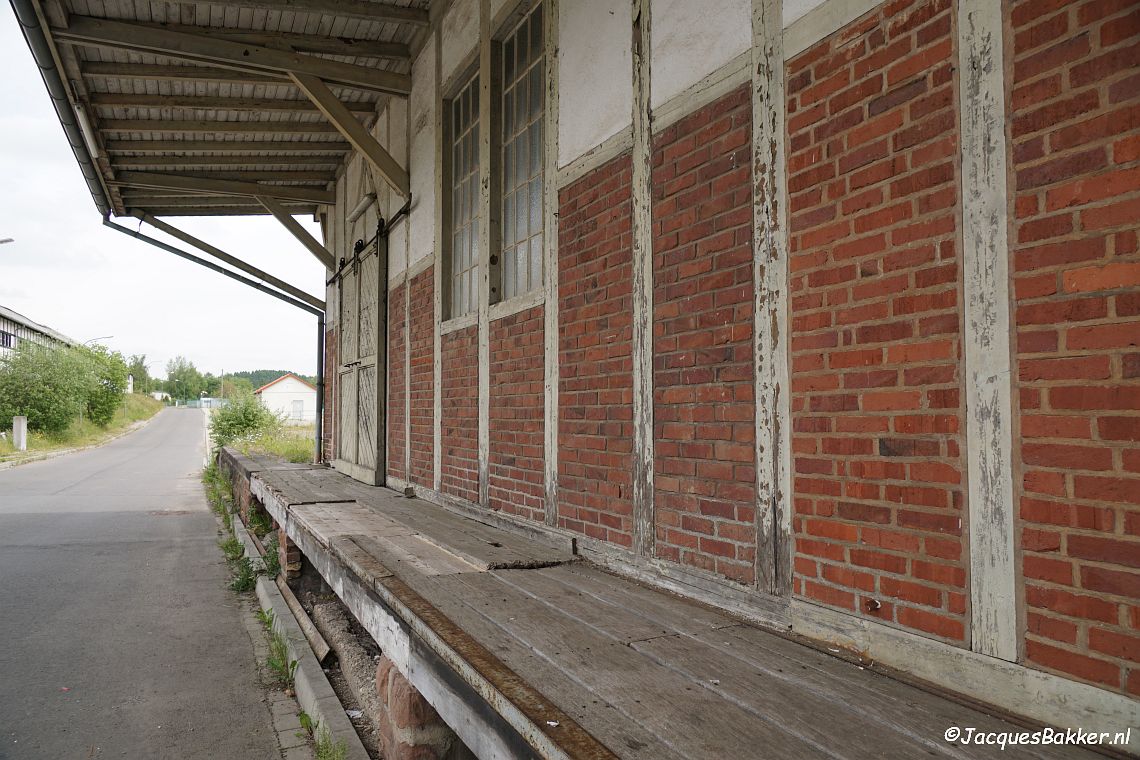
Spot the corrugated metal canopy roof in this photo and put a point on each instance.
(177, 101)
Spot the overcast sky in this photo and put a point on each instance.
(67, 271)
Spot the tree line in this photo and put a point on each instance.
(184, 381)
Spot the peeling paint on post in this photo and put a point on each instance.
(770, 275)
(643, 513)
(487, 226)
(989, 411)
(442, 218)
(550, 267)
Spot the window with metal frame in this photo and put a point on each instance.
(464, 180)
(7, 340)
(523, 100)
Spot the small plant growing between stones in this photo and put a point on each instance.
(232, 549)
(245, 576)
(272, 558)
(281, 668)
(259, 523)
(306, 723)
(327, 749)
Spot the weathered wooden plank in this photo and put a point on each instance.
(775, 698)
(627, 739)
(644, 692)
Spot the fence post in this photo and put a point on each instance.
(20, 433)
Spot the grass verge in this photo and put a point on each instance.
(293, 444)
(135, 407)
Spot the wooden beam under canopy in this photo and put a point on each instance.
(207, 126)
(223, 187)
(362, 9)
(204, 103)
(283, 215)
(353, 131)
(203, 48)
(225, 146)
(228, 161)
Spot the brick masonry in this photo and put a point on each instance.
(328, 413)
(595, 395)
(459, 389)
(397, 382)
(408, 727)
(421, 371)
(516, 468)
(1075, 97)
(703, 380)
(875, 320)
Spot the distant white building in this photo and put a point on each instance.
(15, 327)
(290, 397)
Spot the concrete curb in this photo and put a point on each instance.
(134, 426)
(314, 692)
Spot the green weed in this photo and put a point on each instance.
(259, 523)
(281, 668)
(272, 558)
(245, 576)
(232, 549)
(326, 749)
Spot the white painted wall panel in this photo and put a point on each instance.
(797, 9)
(397, 132)
(595, 74)
(422, 159)
(460, 35)
(692, 40)
(397, 254)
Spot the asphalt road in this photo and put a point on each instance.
(118, 637)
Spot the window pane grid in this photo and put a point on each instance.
(464, 198)
(523, 102)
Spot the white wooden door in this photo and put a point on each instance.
(363, 312)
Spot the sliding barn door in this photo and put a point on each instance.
(363, 315)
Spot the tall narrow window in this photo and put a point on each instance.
(465, 200)
(523, 99)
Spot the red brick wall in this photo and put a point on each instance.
(397, 382)
(421, 370)
(875, 313)
(1075, 96)
(459, 447)
(703, 409)
(516, 479)
(329, 411)
(595, 395)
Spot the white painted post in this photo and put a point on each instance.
(20, 433)
(989, 404)
(550, 267)
(770, 275)
(644, 519)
